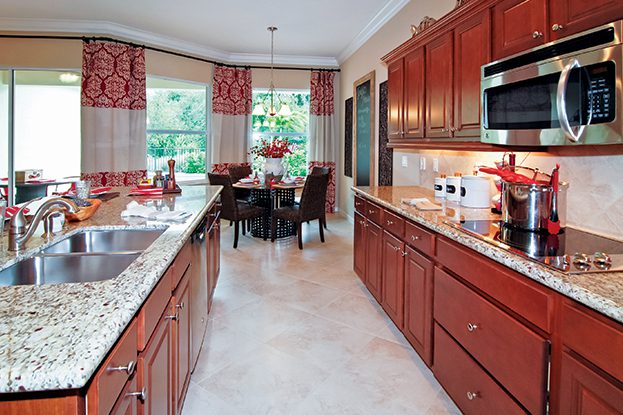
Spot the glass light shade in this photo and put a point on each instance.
(258, 110)
(285, 111)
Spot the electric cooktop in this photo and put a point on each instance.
(572, 251)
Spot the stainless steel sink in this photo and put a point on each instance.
(95, 241)
(66, 268)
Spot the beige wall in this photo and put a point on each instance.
(368, 58)
(284, 79)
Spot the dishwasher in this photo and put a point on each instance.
(199, 283)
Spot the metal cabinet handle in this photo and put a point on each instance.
(415, 238)
(172, 318)
(471, 327)
(556, 27)
(403, 253)
(141, 395)
(473, 395)
(536, 34)
(180, 306)
(129, 369)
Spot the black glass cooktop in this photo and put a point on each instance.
(572, 251)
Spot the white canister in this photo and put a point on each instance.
(476, 192)
(453, 188)
(440, 187)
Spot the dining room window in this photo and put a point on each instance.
(294, 126)
(177, 127)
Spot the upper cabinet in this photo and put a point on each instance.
(434, 77)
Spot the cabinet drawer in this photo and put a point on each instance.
(526, 298)
(114, 373)
(128, 401)
(151, 311)
(473, 390)
(179, 265)
(594, 337)
(393, 223)
(513, 354)
(360, 205)
(373, 212)
(420, 239)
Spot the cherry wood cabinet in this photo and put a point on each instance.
(439, 89)
(127, 404)
(359, 247)
(418, 303)
(392, 298)
(374, 245)
(414, 94)
(472, 49)
(568, 17)
(395, 108)
(518, 25)
(182, 335)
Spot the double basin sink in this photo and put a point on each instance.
(91, 255)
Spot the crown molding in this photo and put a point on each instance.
(383, 16)
(102, 27)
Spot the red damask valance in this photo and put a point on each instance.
(321, 93)
(232, 91)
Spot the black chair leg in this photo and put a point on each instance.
(273, 229)
(324, 221)
(244, 227)
(236, 229)
(231, 222)
(299, 226)
(320, 228)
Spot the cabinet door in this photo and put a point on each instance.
(584, 391)
(439, 87)
(157, 361)
(472, 49)
(183, 306)
(418, 324)
(395, 87)
(393, 278)
(573, 16)
(127, 404)
(359, 247)
(374, 244)
(518, 25)
(414, 94)
(200, 276)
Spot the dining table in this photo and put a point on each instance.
(32, 189)
(271, 197)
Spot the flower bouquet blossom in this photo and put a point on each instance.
(277, 148)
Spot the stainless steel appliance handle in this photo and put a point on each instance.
(561, 103)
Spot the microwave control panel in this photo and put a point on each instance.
(601, 93)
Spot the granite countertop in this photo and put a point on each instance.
(55, 336)
(602, 292)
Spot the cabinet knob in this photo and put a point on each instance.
(556, 27)
(180, 305)
(370, 211)
(389, 223)
(415, 238)
(403, 253)
(536, 34)
(172, 318)
(471, 327)
(473, 395)
(129, 369)
(141, 395)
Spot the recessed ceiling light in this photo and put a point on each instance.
(68, 77)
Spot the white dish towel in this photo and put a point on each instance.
(149, 212)
(421, 203)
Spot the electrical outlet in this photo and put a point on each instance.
(436, 165)
(422, 163)
(404, 161)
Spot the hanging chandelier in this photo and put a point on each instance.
(284, 110)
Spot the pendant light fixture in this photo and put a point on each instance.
(284, 111)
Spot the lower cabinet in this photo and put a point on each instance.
(393, 278)
(359, 247)
(181, 338)
(127, 404)
(374, 244)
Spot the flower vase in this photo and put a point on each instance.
(273, 168)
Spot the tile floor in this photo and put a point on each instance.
(295, 332)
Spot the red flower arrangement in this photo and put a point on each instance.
(276, 148)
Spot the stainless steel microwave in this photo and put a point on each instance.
(566, 92)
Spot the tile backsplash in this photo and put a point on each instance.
(594, 174)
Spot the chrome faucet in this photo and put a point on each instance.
(19, 230)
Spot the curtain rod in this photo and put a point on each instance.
(170, 52)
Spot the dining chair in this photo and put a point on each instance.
(240, 172)
(232, 209)
(316, 170)
(312, 207)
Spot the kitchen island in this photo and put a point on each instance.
(53, 338)
(501, 333)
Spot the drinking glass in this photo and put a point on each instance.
(83, 189)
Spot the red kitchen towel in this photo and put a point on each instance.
(135, 191)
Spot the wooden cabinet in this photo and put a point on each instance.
(572, 16)
(518, 25)
(392, 293)
(359, 247)
(157, 366)
(395, 83)
(182, 336)
(200, 282)
(439, 87)
(374, 244)
(414, 87)
(586, 392)
(418, 304)
(127, 404)
(472, 49)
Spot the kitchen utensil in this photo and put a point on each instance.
(171, 183)
(528, 206)
(475, 192)
(553, 225)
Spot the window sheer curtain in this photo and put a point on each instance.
(232, 103)
(322, 136)
(113, 114)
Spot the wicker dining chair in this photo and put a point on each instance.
(233, 210)
(240, 172)
(311, 207)
(316, 170)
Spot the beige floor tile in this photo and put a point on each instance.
(443, 405)
(305, 295)
(201, 402)
(359, 312)
(230, 297)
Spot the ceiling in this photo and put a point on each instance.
(311, 32)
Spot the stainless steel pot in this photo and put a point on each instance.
(528, 206)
